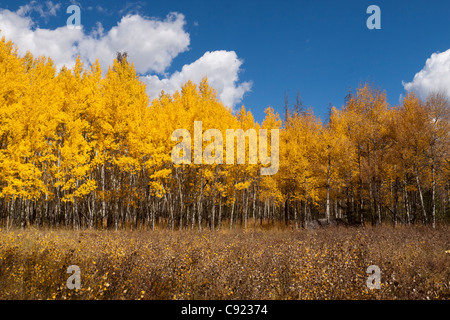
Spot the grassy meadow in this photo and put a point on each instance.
(228, 264)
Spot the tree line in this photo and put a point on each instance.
(81, 149)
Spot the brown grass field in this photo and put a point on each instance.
(229, 264)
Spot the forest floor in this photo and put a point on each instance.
(414, 263)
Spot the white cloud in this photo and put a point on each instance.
(50, 10)
(221, 68)
(132, 7)
(57, 44)
(435, 76)
(151, 43)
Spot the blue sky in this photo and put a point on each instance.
(320, 48)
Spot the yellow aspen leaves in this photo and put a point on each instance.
(85, 149)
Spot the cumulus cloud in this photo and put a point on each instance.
(151, 43)
(59, 44)
(221, 68)
(435, 76)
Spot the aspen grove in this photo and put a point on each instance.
(83, 149)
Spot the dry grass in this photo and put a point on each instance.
(238, 264)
